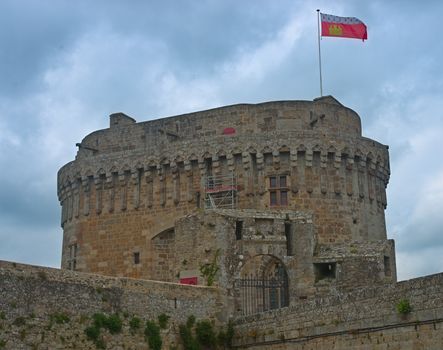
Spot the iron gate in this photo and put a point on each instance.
(263, 294)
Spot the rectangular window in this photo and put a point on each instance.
(278, 191)
(324, 271)
(136, 258)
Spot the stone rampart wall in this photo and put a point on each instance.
(366, 318)
(44, 308)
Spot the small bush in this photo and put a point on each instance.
(2, 315)
(205, 333)
(403, 307)
(163, 321)
(114, 324)
(152, 333)
(2, 343)
(92, 333)
(99, 320)
(134, 323)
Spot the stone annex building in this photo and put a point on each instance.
(278, 207)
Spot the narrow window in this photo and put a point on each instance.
(72, 258)
(238, 229)
(278, 191)
(136, 258)
(197, 199)
(387, 264)
(289, 238)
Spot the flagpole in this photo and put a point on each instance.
(319, 51)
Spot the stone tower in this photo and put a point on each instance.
(299, 178)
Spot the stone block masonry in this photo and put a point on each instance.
(44, 308)
(365, 318)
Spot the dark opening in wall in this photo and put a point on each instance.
(136, 258)
(324, 271)
(289, 238)
(197, 199)
(238, 229)
(387, 264)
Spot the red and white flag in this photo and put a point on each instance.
(344, 27)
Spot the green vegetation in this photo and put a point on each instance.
(188, 340)
(204, 336)
(191, 321)
(2, 315)
(205, 333)
(210, 270)
(403, 307)
(2, 343)
(60, 318)
(163, 321)
(92, 332)
(112, 323)
(224, 337)
(134, 324)
(152, 334)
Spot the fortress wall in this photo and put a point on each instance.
(365, 318)
(31, 298)
(132, 181)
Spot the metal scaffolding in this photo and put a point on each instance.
(220, 191)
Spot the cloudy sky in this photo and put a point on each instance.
(66, 65)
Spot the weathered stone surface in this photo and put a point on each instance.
(31, 297)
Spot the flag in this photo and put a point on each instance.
(344, 27)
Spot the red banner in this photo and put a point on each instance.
(343, 27)
(189, 280)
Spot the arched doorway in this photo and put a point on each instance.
(262, 285)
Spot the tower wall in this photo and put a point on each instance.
(130, 183)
